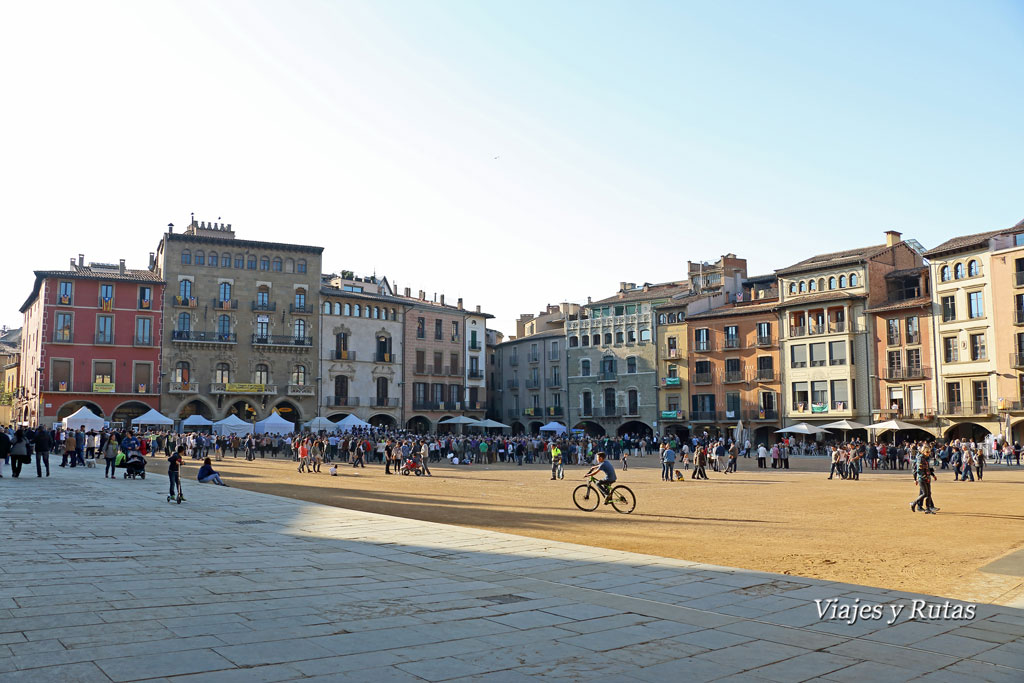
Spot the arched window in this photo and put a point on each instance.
(585, 367)
(264, 263)
(792, 288)
(944, 274)
(300, 299)
(821, 284)
(366, 311)
(186, 257)
(356, 310)
(300, 266)
(223, 325)
(803, 286)
(185, 290)
(384, 313)
(631, 365)
(958, 271)
(200, 258)
(812, 286)
(842, 282)
(222, 373)
(300, 330)
(337, 308)
(213, 259)
(596, 341)
(394, 316)
(289, 265)
(184, 322)
(832, 282)
(299, 375)
(972, 268)
(662, 319)
(574, 342)
(376, 312)
(671, 318)
(225, 260)
(182, 372)
(327, 308)
(618, 337)
(607, 338)
(854, 279)
(340, 345)
(348, 309)
(587, 400)
(261, 375)
(340, 389)
(224, 291)
(585, 340)
(275, 265)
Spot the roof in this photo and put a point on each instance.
(87, 273)
(445, 308)
(916, 302)
(332, 291)
(833, 259)
(229, 241)
(963, 242)
(546, 334)
(905, 272)
(679, 301)
(820, 297)
(737, 309)
(648, 292)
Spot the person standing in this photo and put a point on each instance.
(42, 443)
(762, 456)
(924, 474)
(734, 453)
(174, 472)
(979, 463)
(109, 450)
(668, 463)
(69, 450)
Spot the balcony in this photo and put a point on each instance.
(899, 374)
(264, 306)
(426, 405)
(553, 382)
(512, 384)
(765, 414)
(671, 381)
(533, 384)
(344, 354)
(423, 370)
(586, 412)
(197, 337)
(225, 304)
(704, 415)
(382, 402)
(672, 415)
(913, 338)
(183, 387)
(816, 329)
(764, 341)
(300, 308)
(475, 373)
(301, 390)
(474, 345)
(733, 376)
(703, 347)
(1017, 360)
(672, 353)
(980, 408)
(533, 358)
(797, 331)
(732, 343)
(701, 378)
(513, 360)
(838, 326)
(609, 411)
(123, 388)
(1018, 278)
(606, 376)
(102, 338)
(926, 414)
(281, 340)
(532, 412)
(64, 300)
(1018, 317)
(765, 374)
(243, 388)
(380, 357)
(555, 411)
(184, 302)
(952, 408)
(341, 401)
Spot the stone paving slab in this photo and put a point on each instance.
(104, 581)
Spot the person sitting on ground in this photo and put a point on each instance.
(207, 475)
(333, 470)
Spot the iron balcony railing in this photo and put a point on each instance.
(702, 378)
(281, 340)
(512, 384)
(606, 376)
(1018, 278)
(731, 343)
(533, 384)
(381, 357)
(382, 402)
(341, 401)
(225, 304)
(205, 337)
(104, 338)
(264, 305)
(475, 373)
(474, 345)
(764, 341)
(765, 374)
(1017, 360)
(343, 354)
(764, 414)
(704, 415)
(300, 308)
(733, 376)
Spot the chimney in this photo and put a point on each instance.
(622, 286)
(170, 228)
(152, 259)
(892, 237)
(478, 308)
(408, 292)
(81, 260)
(72, 264)
(120, 267)
(460, 303)
(588, 300)
(423, 295)
(442, 299)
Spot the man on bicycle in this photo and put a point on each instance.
(609, 476)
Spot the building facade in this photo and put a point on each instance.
(361, 344)
(673, 368)
(531, 373)
(1007, 275)
(91, 338)
(242, 322)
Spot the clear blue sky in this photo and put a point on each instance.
(629, 136)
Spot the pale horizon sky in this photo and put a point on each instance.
(514, 154)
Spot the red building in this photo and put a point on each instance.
(91, 337)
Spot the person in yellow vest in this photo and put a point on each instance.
(556, 463)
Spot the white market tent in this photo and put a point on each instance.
(321, 424)
(152, 417)
(196, 420)
(351, 422)
(275, 424)
(232, 425)
(556, 427)
(802, 428)
(895, 425)
(845, 425)
(489, 424)
(85, 418)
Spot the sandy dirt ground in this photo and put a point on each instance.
(792, 522)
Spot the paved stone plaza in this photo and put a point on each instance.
(104, 581)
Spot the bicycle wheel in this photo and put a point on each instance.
(586, 497)
(623, 500)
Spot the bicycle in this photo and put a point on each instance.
(588, 497)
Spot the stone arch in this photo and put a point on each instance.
(196, 405)
(72, 406)
(383, 420)
(418, 424)
(535, 427)
(127, 411)
(591, 428)
(517, 428)
(634, 427)
(244, 408)
(288, 409)
(966, 430)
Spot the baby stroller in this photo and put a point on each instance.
(134, 466)
(412, 467)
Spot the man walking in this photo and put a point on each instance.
(43, 444)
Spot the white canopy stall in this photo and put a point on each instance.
(83, 418)
(232, 425)
(275, 424)
(350, 422)
(152, 418)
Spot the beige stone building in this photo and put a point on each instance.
(1007, 268)
(241, 325)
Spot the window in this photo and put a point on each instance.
(819, 394)
(182, 372)
(764, 333)
(948, 309)
(223, 326)
(607, 338)
(105, 329)
(347, 309)
(585, 367)
(299, 375)
(798, 356)
(200, 258)
(300, 266)
(818, 358)
(264, 263)
(972, 269)
(980, 394)
(913, 330)
(632, 402)
(356, 310)
(645, 336)
(62, 328)
(953, 397)
(300, 299)
(832, 282)
(103, 372)
(702, 339)
(376, 312)
(222, 373)
(975, 305)
(892, 331)
(366, 311)
(618, 337)
(958, 271)
(144, 331)
(250, 262)
(978, 351)
(186, 257)
(944, 274)
(842, 281)
(949, 350)
(732, 337)
(803, 286)
(224, 291)
(145, 298)
(853, 279)
(289, 265)
(585, 339)
(213, 259)
(421, 325)
(837, 353)
(631, 365)
(299, 327)
(184, 322)
(792, 288)
(107, 293)
(812, 286)
(239, 261)
(455, 330)
(262, 374)
(225, 260)
(263, 297)
(631, 336)
(895, 364)
(327, 308)
(574, 342)
(800, 396)
(914, 362)
(185, 290)
(662, 319)
(275, 265)
(840, 395)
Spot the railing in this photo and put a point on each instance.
(671, 381)
(475, 373)
(300, 308)
(764, 414)
(453, 371)
(552, 382)
(672, 353)
(901, 414)
(952, 408)
(606, 376)
(764, 341)
(610, 411)
(264, 306)
(62, 337)
(456, 338)
(533, 384)
(897, 374)
(474, 405)
(704, 415)
(732, 376)
(838, 326)
(341, 401)
(797, 331)
(731, 343)
(702, 378)
(587, 412)
(281, 340)
(765, 374)
(632, 411)
(197, 336)
(143, 341)
(1017, 360)
(1018, 317)
(243, 388)
(184, 301)
(1018, 278)
(513, 360)
(913, 338)
(343, 355)
(426, 405)
(145, 304)
(144, 389)
(104, 338)
(474, 345)
(225, 304)
(532, 412)
(555, 411)
(301, 390)
(512, 384)
(703, 347)
(382, 402)
(183, 387)
(380, 357)
(64, 300)
(814, 328)
(423, 370)
(533, 358)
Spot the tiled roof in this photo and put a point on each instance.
(373, 296)
(969, 241)
(916, 302)
(820, 297)
(546, 334)
(659, 291)
(446, 308)
(833, 259)
(905, 272)
(228, 241)
(737, 309)
(87, 273)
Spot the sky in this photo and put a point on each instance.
(513, 154)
